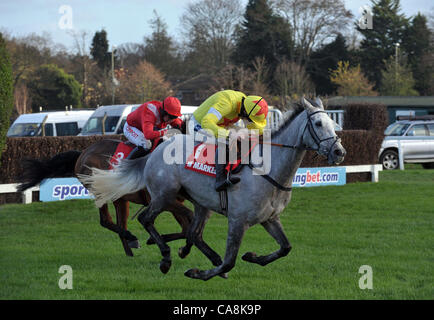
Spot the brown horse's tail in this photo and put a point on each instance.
(34, 171)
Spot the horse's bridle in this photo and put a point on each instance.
(313, 134)
(315, 137)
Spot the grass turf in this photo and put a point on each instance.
(333, 231)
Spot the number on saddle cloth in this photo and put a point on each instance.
(122, 151)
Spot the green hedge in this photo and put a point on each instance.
(365, 116)
(358, 143)
(6, 92)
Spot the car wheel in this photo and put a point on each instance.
(428, 165)
(390, 160)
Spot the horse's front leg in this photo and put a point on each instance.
(122, 207)
(147, 218)
(236, 230)
(106, 221)
(275, 229)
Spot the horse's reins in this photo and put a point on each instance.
(316, 139)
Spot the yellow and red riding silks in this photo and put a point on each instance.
(223, 108)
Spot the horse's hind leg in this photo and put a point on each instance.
(122, 212)
(194, 236)
(183, 216)
(236, 230)
(275, 229)
(147, 219)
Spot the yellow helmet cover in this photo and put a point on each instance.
(257, 109)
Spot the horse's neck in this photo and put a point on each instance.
(286, 161)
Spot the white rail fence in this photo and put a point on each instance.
(12, 188)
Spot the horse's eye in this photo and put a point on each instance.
(318, 124)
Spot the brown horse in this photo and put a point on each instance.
(97, 155)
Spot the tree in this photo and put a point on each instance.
(419, 48)
(292, 81)
(351, 81)
(209, 27)
(100, 50)
(6, 92)
(160, 49)
(397, 79)
(313, 23)
(53, 89)
(26, 54)
(143, 83)
(324, 59)
(262, 34)
(389, 27)
(243, 79)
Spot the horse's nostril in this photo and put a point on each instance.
(338, 152)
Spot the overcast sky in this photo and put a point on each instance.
(124, 21)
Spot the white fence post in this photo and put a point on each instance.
(400, 156)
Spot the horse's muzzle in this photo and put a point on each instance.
(336, 154)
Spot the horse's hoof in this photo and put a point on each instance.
(223, 275)
(183, 252)
(150, 241)
(249, 257)
(135, 244)
(165, 266)
(192, 273)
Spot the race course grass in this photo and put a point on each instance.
(333, 232)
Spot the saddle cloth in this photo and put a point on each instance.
(202, 160)
(122, 151)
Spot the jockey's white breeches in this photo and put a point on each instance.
(136, 136)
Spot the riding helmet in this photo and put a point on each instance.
(172, 106)
(257, 109)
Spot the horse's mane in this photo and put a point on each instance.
(288, 116)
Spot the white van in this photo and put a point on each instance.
(111, 119)
(56, 123)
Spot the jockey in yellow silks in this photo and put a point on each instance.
(224, 109)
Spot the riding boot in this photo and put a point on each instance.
(138, 152)
(223, 180)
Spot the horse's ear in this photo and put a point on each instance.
(306, 105)
(319, 103)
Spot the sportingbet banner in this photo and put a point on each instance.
(322, 176)
(58, 189)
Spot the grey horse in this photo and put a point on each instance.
(253, 200)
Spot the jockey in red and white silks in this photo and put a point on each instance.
(147, 124)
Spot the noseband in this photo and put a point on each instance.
(314, 135)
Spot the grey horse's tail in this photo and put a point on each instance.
(110, 185)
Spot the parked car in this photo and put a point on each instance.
(415, 136)
(111, 119)
(55, 123)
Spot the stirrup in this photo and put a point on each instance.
(232, 180)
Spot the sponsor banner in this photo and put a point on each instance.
(322, 176)
(59, 189)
